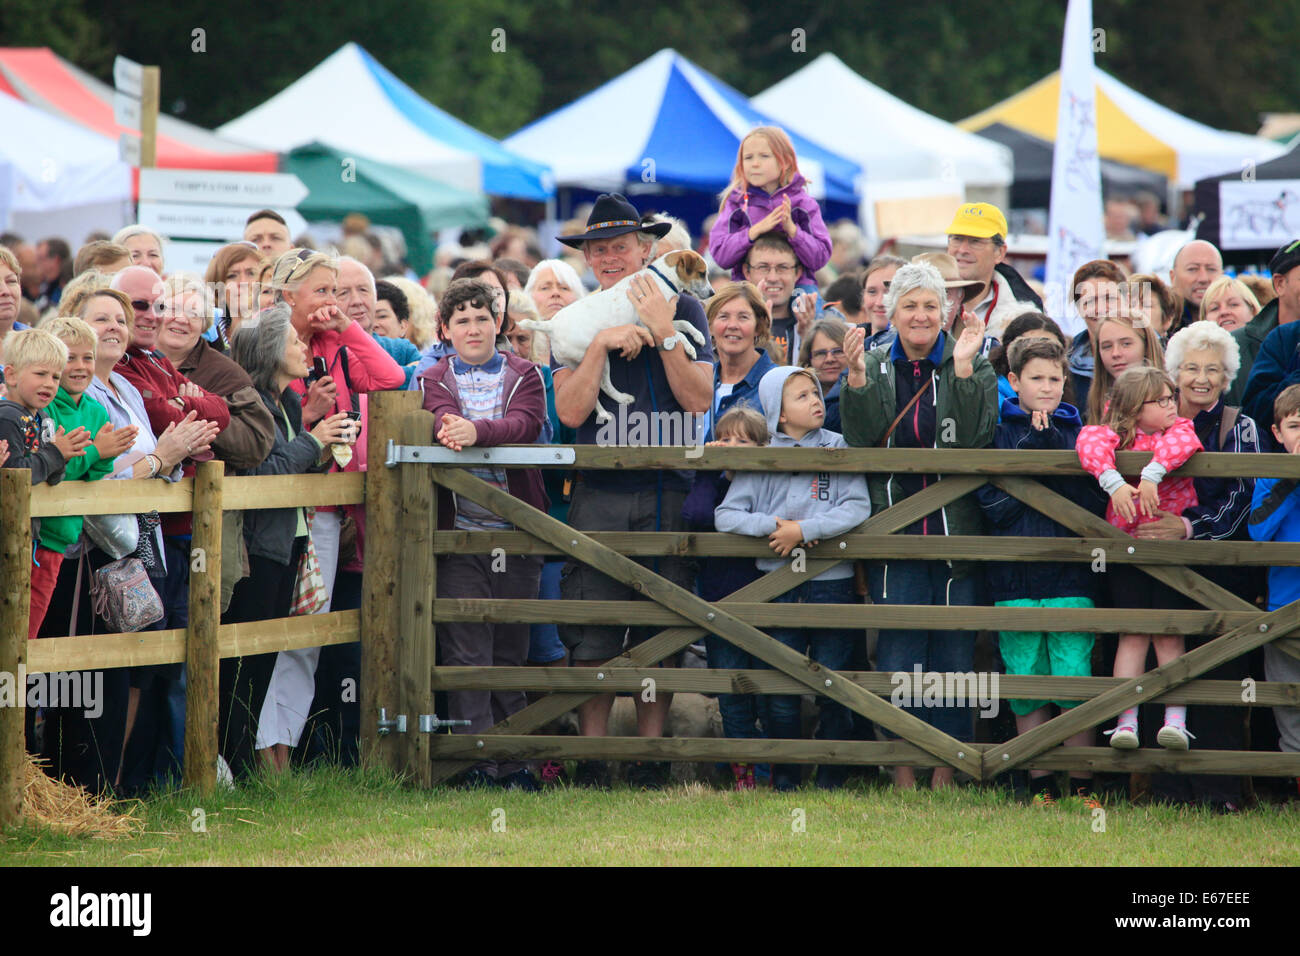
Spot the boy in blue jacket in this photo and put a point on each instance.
(793, 509)
(1037, 419)
(1275, 516)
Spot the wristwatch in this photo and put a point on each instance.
(670, 343)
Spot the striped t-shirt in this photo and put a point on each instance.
(482, 396)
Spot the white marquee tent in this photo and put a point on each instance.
(57, 178)
(892, 140)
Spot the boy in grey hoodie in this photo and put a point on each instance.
(795, 508)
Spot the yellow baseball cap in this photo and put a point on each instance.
(980, 220)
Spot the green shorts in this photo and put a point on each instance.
(1046, 653)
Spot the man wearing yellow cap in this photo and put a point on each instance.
(977, 239)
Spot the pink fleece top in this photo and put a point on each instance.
(1172, 447)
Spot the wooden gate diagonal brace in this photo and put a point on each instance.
(725, 625)
(1084, 522)
(1195, 662)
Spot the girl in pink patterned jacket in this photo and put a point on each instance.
(1142, 416)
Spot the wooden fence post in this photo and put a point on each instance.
(419, 572)
(379, 578)
(202, 647)
(150, 88)
(15, 604)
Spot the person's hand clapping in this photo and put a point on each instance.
(111, 442)
(190, 436)
(804, 307)
(1040, 420)
(855, 355)
(71, 444)
(787, 218)
(968, 346)
(767, 224)
(457, 433)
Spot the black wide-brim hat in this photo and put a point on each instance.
(613, 215)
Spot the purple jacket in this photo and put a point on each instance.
(729, 241)
(525, 409)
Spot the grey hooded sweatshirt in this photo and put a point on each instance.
(825, 503)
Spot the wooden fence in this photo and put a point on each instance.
(1236, 625)
(396, 622)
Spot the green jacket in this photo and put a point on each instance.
(58, 534)
(1250, 337)
(971, 404)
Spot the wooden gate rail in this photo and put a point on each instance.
(201, 645)
(1222, 693)
(714, 618)
(848, 752)
(669, 642)
(877, 546)
(734, 618)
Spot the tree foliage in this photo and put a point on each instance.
(498, 64)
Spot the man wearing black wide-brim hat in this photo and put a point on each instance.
(670, 391)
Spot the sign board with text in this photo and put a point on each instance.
(202, 221)
(259, 190)
(128, 77)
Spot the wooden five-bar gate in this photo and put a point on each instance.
(396, 623)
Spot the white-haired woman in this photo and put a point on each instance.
(145, 246)
(269, 350)
(186, 310)
(553, 284)
(1203, 359)
(926, 389)
(676, 239)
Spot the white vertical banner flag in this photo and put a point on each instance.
(1076, 232)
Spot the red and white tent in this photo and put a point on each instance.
(39, 77)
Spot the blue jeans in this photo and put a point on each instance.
(740, 712)
(832, 648)
(544, 645)
(926, 582)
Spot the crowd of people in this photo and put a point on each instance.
(116, 368)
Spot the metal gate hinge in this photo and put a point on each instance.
(432, 723)
(387, 726)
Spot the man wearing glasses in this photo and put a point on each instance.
(977, 239)
(773, 267)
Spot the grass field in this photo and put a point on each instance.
(334, 817)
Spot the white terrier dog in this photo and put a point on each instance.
(572, 329)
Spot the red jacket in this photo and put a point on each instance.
(159, 383)
(525, 410)
(370, 369)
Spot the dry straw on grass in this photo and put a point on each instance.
(60, 806)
